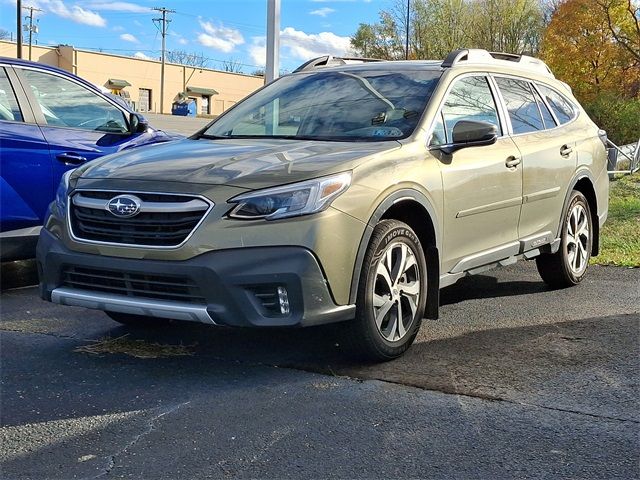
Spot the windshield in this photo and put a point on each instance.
(363, 105)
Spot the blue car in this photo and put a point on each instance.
(50, 122)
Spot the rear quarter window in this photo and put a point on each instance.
(562, 108)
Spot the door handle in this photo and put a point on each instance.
(565, 151)
(512, 162)
(70, 158)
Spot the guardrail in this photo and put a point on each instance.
(630, 152)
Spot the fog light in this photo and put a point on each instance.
(283, 298)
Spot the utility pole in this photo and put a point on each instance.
(164, 21)
(31, 28)
(19, 29)
(273, 41)
(406, 46)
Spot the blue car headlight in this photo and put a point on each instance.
(62, 194)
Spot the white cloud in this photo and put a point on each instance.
(119, 7)
(118, 28)
(322, 12)
(142, 56)
(127, 37)
(219, 37)
(301, 45)
(183, 41)
(258, 50)
(74, 13)
(305, 46)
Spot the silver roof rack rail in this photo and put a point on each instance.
(331, 61)
(479, 56)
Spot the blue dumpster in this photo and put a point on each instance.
(184, 107)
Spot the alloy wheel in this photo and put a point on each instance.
(396, 292)
(577, 239)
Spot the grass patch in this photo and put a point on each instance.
(135, 348)
(620, 236)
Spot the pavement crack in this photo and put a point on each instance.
(495, 398)
(577, 412)
(151, 426)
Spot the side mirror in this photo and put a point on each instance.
(469, 133)
(137, 123)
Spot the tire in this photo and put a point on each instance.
(385, 292)
(138, 321)
(568, 266)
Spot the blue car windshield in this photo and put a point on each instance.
(349, 105)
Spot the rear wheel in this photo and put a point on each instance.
(140, 321)
(568, 265)
(391, 294)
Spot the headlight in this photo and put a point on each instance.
(61, 193)
(302, 198)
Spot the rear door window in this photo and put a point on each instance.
(521, 104)
(9, 109)
(561, 107)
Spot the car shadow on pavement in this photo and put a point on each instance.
(579, 365)
(485, 286)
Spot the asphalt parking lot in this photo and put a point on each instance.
(176, 124)
(514, 381)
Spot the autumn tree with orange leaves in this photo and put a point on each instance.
(594, 46)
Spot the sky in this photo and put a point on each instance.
(219, 30)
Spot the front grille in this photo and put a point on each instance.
(141, 285)
(163, 220)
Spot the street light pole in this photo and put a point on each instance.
(273, 41)
(163, 30)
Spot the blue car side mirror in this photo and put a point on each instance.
(137, 123)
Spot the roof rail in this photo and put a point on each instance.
(331, 61)
(476, 55)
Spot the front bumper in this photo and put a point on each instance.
(229, 283)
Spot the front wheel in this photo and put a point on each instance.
(568, 265)
(392, 293)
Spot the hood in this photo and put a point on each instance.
(242, 163)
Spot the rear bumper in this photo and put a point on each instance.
(230, 284)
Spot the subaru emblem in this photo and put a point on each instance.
(124, 206)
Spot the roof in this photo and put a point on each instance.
(201, 90)
(458, 58)
(117, 83)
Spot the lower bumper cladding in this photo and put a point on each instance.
(245, 287)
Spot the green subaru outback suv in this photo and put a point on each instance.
(348, 191)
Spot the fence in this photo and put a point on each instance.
(630, 152)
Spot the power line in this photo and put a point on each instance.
(31, 28)
(164, 21)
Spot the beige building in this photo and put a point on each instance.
(138, 80)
